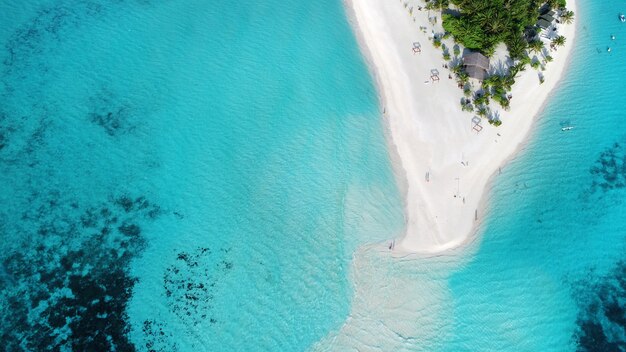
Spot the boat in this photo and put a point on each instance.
(622, 18)
(567, 128)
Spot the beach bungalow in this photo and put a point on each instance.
(476, 65)
(546, 11)
(544, 24)
(546, 19)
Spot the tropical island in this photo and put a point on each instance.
(456, 110)
(526, 29)
(444, 154)
(500, 59)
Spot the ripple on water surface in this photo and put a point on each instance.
(177, 176)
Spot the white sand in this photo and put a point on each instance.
(398, 305)
(429, 131)
(402, 302)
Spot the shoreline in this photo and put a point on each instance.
(436, 224)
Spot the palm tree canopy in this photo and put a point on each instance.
(558, 41)
(482, 24)
(567, 17)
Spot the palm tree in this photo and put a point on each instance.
(441, 4)
(517, 68)
(516, 46)
(553, 3)
(494, 22)
(567, 17)
(535, 46)
(558, 41)
(482, 111)
(462, 78)
(556, 4)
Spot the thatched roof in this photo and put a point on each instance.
(476, 65)
(476, 59)
(476, 72)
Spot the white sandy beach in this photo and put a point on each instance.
(429, 131)
(401, 303)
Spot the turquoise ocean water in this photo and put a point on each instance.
(186, 175)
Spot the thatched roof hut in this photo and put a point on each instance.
(476, 65)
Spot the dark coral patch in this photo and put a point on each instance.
(111, 122)
(71, 279)
(20, 138)
(139, 204)
(192, 281)
(111, 112)
(609, 170)
(125, 202)
(602, 319)
(95, 321)
(156, 338)
(130, 230)
(41, 33)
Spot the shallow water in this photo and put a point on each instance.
(548, 269)
(184, 175)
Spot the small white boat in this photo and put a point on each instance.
(622, 17)
(567, 128)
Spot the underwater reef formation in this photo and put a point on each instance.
(68, 284)
(602, 318)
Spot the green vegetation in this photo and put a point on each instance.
(535, 64)
(466, 105)
(482, 24)
(457, 50)
(461, 76)
(481, 99)
(567, 17)
(497, 87)
(446, 52)
(558, 41)
(535, 46)
(437, 4)
(495, 122)
(557, 4)
(482, 110)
